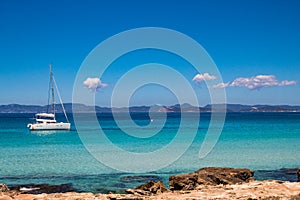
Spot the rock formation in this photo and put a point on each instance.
(3, 188)
(206, 183)
(43, 188)
(263, 190)
(149, 188)
(210, 176)
(298, 173)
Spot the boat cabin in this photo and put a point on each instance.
(45, 118)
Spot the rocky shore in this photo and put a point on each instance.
(206, 183)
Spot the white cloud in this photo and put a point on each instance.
(94, 84)
(286, 82)
(203, 77)
(255, 82)
(221, 85)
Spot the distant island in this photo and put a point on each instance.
(16, 108)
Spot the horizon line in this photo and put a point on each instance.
(262, 104)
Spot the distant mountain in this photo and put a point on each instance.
(16, 108)
(81, 108)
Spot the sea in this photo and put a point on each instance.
(268, 143)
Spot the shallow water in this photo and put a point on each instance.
(265, 142)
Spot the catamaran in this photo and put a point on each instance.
(47, 121)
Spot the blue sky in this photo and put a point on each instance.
(244, 38)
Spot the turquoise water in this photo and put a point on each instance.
(265, 142)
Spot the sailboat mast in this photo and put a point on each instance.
(52, 90)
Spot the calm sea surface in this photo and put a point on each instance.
(268, 143)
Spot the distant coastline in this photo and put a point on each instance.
(81, 108)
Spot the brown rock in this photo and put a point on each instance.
(5, 197)
(121, 197)
(210, 176)
(24, 197)
(149, 188)
(3, 188)
(138, 192)
(153, 187)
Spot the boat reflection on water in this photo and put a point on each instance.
(45, 132)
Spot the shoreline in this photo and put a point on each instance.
(205, 183)
(268, 190)
(119, 182)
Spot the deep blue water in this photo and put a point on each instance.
(268, 143)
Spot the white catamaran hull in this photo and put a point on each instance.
(52, 126)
